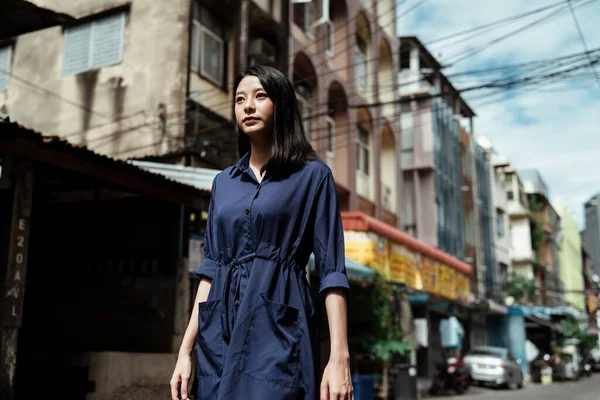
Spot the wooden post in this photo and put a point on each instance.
(15, 269)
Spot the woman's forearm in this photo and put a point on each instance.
(189, 338)
(335, 304)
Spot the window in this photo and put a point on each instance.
(208, 46)
(94, 44)
(510, 195)
(360, 54)
(500, 223)
(304, 17)
(304, 96)
(330, 135)
(329, 37)
(362, 150)
(4, 67)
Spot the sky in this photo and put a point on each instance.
(553, 128)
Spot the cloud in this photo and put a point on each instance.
(552, 128)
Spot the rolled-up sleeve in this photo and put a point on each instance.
(328, 246)
(208, 266)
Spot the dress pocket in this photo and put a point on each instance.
(270, 350)
(210, 339)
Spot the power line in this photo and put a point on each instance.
(492, 24)
(470, 53)
(583, 41)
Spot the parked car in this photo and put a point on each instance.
(494, 365)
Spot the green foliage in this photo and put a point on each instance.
(572, 330)
(521, 288)
(386, 339)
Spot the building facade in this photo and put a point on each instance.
(500, 216)
(486, 219)
(432, 111)
(571, 268)
(591, 233)
(344, 53)
(140, 79)
(546, 230)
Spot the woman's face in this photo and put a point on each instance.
(253, 108)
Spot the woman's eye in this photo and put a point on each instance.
(239, 99)
(261, 95)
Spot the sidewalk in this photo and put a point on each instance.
(423, 385)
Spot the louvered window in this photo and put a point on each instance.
(4, 67)
(208, 45)
(94, 44)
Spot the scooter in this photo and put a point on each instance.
(454, 376)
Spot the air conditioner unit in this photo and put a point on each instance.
(262, 51)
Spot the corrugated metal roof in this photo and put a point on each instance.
(10, 131)
(200, 178)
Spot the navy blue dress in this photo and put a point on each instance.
(257, 333)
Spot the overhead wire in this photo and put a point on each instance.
(223, 104)
(494, 84)
(457, 58)
(582, 37)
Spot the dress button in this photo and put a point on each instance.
(247, 211)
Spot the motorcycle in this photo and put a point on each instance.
(585, 367)
(454, 375)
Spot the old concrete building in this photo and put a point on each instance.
(141, 79)
(546, 231)
(571, 263)
(500, 216)
(114, 80)
(343, 54)
(432, 111)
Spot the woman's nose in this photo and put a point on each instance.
(249, 105)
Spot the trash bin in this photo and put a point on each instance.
(363, 387)
(405, 382)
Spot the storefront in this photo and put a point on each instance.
(438, 284)
(94, 273)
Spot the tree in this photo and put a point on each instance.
(385, 340)
(521, 288)
(572, 330)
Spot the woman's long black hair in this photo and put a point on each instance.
(290, 150)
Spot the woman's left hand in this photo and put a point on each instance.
(337, 382)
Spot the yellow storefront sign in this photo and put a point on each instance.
(404, 267)
(363, 247)
(401, 264)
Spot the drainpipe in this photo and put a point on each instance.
(242, 50)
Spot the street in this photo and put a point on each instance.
(584, 389)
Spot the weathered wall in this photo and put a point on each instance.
(112, 109)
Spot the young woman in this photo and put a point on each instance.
(254, 320)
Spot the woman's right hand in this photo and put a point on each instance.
(181, 377)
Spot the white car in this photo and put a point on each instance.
(494, 365)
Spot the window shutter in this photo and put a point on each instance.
(107, 41)
(195, 47)
(4, 67)
(76, 55)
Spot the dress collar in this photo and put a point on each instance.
(243, 163)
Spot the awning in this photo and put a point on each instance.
(536, 321)
(361, 222)
(354, 270)
(200, 178)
